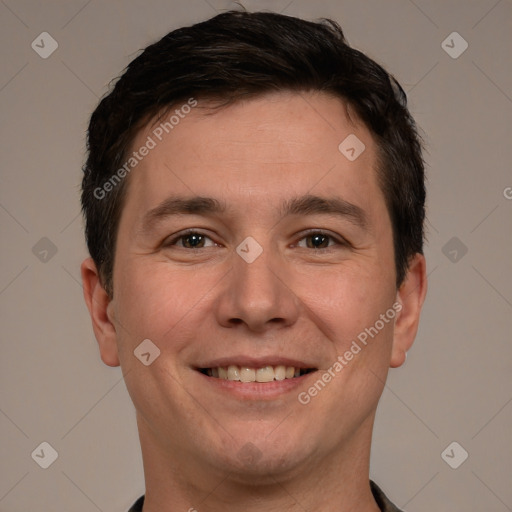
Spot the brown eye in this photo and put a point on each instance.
(319, 240)
(191, 240)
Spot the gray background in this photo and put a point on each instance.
(455, 385)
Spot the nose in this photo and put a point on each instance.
(258, 295)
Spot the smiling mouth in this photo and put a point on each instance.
(264, 374)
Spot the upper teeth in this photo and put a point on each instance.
(245, 374)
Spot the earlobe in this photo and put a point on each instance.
(100, 308)
(411, 296)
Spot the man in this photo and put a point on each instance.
(254, 203)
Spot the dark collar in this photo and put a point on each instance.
(382, 501)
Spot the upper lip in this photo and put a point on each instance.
(255, 362)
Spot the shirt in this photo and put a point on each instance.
(382, 501)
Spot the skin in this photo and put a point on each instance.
(206, 448)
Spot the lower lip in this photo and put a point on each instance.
(256, 390)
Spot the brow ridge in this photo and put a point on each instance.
(301, 205)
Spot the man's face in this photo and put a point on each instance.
(208, 300)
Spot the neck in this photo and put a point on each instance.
(336, 483)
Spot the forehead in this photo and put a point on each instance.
(255, 151)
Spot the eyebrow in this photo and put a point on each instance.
(302, 205)
(311, 205)
(181, 206)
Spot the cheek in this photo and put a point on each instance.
(347, 300)
(157, 301)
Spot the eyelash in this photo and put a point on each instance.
(338, 241)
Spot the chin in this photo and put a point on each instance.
(259, 459)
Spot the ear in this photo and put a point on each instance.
(100, 308)
(410, 296)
